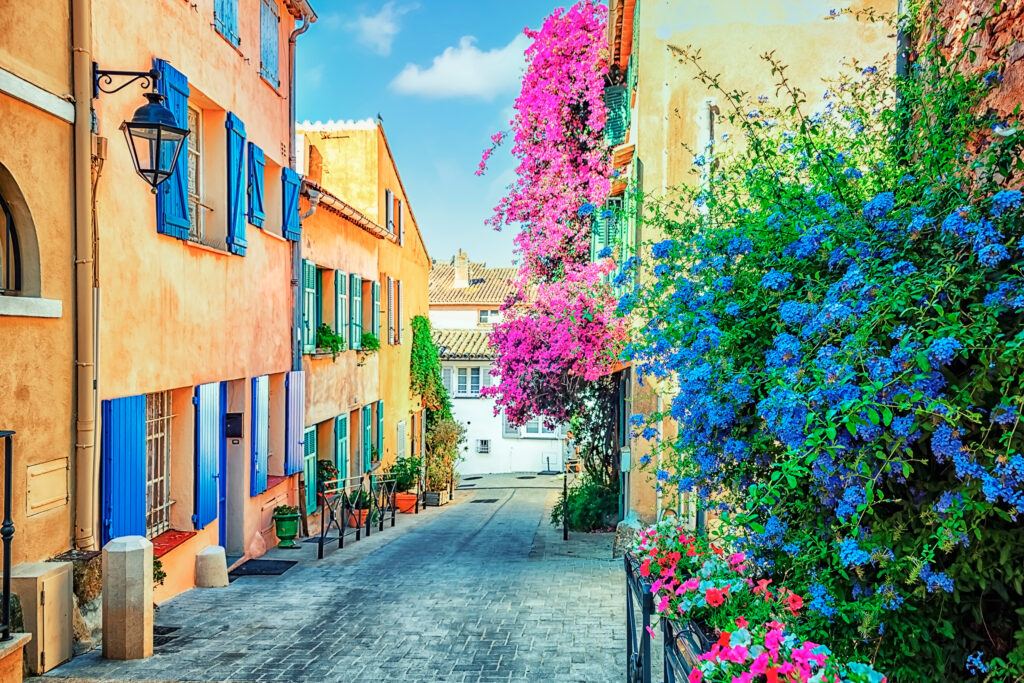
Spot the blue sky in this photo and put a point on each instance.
(443, 74)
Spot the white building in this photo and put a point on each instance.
(465, 302)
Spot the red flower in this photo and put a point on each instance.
(714, 597)
(723, 638)
(794, 602)
(741, 622)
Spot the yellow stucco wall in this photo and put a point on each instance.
(37, 363)
(41, 54)
(671, 106)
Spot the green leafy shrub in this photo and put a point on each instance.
(326, 338)
(593, 504)
(369, 342)
(406, 471)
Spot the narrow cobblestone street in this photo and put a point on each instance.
(484, 590)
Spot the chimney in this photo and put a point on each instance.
(461, 271)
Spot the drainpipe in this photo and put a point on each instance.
(85, 395)
(296, 246)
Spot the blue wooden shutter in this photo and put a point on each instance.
(401, 223)
(389, 211)
(308, 306)
(341, 307)
(290, 204)
(260, 434)
(309, 466)
(269, 38)
(341, 445)
(375, 311)
(209, 438)
(367, 436)
(257, 162)
(123, 468)
(225, 19)
(356, 314)
(295, 397)
(380, 429)
(236, 184)
(172, 194)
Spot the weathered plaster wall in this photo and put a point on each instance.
(349, 163)
(37, 363)
(41, 54)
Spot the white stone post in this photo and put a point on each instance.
(128, 598)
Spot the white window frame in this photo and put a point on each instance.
(465, 386)
(541, 432)
(158, 463)
(483, 445)
(194, 150)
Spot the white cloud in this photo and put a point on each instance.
(466, 71)
(378, 31)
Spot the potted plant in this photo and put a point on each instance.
(406, 472)
(329, 340)
(360, 503)
(286, 524)
(443, 439)
(370, 344)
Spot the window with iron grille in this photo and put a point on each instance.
(158, 463)
(10, 257)
(196, 217)
(483, 446)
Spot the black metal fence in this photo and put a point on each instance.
(681, 641)
(353, 506)
(7, 535)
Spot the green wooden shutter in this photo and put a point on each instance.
(615, 104)
(308, 306)
(341, 445)
(356, 315)
(319, 283)
(375, 311)
(309, 466)
(380, 429)
(341, 307)
(367, 436)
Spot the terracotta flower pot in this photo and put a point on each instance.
(357, 518)
(405, 502)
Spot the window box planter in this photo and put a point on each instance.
(437, 498)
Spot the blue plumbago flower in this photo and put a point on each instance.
(947, 500)
(993, 254)
(604, 253)
(853, 173)
(1004, 201)
(732, 308)
(607, 213)
(585, 210)
(857, 126)
(645, 459)
(662, 270)
(880, 206)
(993, 77)
(943, 350)
(824, 201)
(649, 433)
(903, 268)
(919, 224)
(1004, 414)
(794, 312)
(975, 665)
(785, 352)
(898, 332)
(626, 303)
(739, 246)
(754, 113)
(893, 600)
(662, 475)
(906, 178)
(700, 160)
(821, 600)
(870, 71)
(945, 444)
(662, 249)
(630, 263)
(850, 553)
(636, 419)
(723, 284)
(1009, 293)
(935, 580)
(776, 280)
(956, 222)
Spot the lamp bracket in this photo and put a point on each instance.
(105, 77)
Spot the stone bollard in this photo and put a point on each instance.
(211, 567)
(128, 598)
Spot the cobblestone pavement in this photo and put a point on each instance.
(478, 591)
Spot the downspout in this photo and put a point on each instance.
(297, 245)
(86, 464)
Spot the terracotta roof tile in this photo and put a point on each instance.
(464, 344)
(487, 286)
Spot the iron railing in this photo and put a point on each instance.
(354, 505)
(7, 535)
(682, 641)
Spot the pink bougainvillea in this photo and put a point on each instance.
(559, 332)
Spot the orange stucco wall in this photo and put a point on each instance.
(37, 363)
(670, 114)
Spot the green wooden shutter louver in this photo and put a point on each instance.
(308, 306)
(341, 445)
(309, 466)
(356, 314)
(341, 307)
(615, 101)
(376, 310)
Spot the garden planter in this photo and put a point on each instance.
(357, 518)
(287, 528)
(405, 502)
(436, 498)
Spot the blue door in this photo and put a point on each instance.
(222, 492)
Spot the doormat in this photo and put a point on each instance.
(261, 568)
(164, 634)
(484, 500)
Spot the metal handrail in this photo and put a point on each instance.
(638, 644)
(339, 497)
(7, 534)
(682, 641)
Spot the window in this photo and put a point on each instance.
(10, 254)
(269, 36)
(489, 317)
(196, 215)
(536, 428)
(467, 382)
(158, 463)
(309, 306)
(225, 20)
(483, 446)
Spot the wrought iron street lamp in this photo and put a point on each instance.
(153, 136)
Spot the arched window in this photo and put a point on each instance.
(10, 253)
